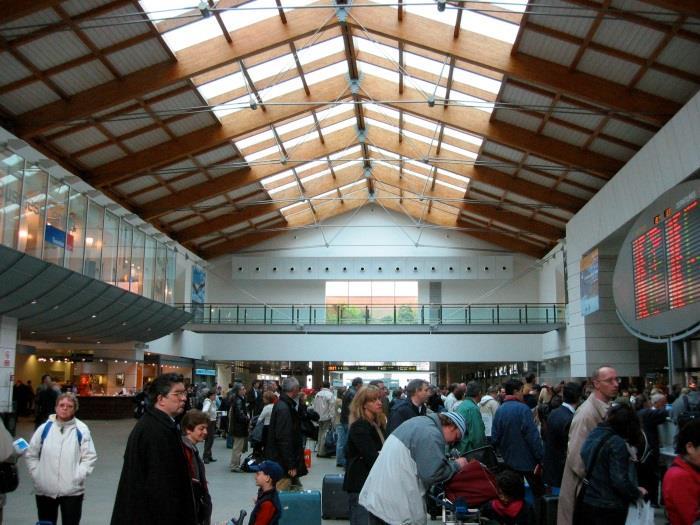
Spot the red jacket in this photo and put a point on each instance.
(681, 490)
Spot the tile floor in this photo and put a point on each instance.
(230, 491)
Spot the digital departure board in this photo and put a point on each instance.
(656, 284)
(665, 263)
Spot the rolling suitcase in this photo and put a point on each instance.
(335, 502)
(300, 507)
(548, 512)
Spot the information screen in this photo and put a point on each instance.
(665, 263)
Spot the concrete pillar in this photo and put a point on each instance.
(8, 344)
(317, 373)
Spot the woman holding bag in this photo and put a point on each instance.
(610, 456)
(365, 439)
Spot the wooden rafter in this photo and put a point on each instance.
(469, 47)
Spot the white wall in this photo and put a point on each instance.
(373, 347)
(372, 233)
(670, 157)
(181, 343)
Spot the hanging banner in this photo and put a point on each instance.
(590, 301)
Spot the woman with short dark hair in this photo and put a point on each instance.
(195, 429)
(610, 456)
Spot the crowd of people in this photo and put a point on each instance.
(594, 444)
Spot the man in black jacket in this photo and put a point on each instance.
(285, 442)
(238, 426)
(418, 392)
(155, 486)
(556, 435)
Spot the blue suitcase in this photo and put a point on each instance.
(300, 507)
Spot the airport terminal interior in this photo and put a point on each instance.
(240, 191)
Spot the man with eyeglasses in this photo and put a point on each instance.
(155, 485)
(606, 385)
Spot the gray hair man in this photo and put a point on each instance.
(285, 441)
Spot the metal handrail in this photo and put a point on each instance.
(377, 314)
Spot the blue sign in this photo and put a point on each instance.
(204, 372)
(55, 236)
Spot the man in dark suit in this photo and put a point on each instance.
(556, 435)
(418, 392)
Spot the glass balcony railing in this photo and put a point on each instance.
(409, 314)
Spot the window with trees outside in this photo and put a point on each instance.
(372, 302)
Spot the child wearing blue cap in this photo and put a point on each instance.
(267, 509)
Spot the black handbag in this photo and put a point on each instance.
(9, 479)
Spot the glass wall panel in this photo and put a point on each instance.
(124, 256)
(75, 245)
(110, 235)
(93, 241)
(149, 267)
(55, 231)
(170, 277)
(11, 166)
(31, 224)
(159, 280)
(137, 261)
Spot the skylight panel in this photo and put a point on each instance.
(253, 140)
(478, 81)
(384, 153)
(191, 34)
(426, 64)
(466, 137)
(291, 5)
(278, 90)
(468, 100)
(337, 126)
(460, 178)
(296, 124)
(291, 207)
(334, 70)
(459, 151)
(430, 126)
(332, 111)
(274, 178)
(282, 188)
(380, 72)
(377, 49)
(345, 153)
(383, 110)
(351, 185)
(448, 185)
(321, 50)
(238, 18)
(310, 165)
(221, 85)
(159, 10)
(324, 195)
(272, 150)
(232, 106)
(488, 26)
(272, 68)
(382, 125)
(448, 16)
(517, 6)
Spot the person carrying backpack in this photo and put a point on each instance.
(60, 456)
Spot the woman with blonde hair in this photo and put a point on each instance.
(365, 439)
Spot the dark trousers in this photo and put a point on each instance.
(71, 509)
(535, 483)
(374, 520)
(211, 432)
(602, 516)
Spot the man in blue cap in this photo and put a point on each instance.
(267, 509)
(412, 458)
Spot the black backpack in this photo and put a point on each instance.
(690, 412)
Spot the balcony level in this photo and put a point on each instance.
(524, 318)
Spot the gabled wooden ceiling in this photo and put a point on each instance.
(280, 122)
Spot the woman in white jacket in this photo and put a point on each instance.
(59, 459)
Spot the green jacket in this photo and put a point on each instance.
(476, 433)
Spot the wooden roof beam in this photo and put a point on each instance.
(495, 55)
(234, 125)
(195, 60)
(477, 122)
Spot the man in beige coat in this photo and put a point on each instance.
(587, 417)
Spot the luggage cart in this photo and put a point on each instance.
(455, 512)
